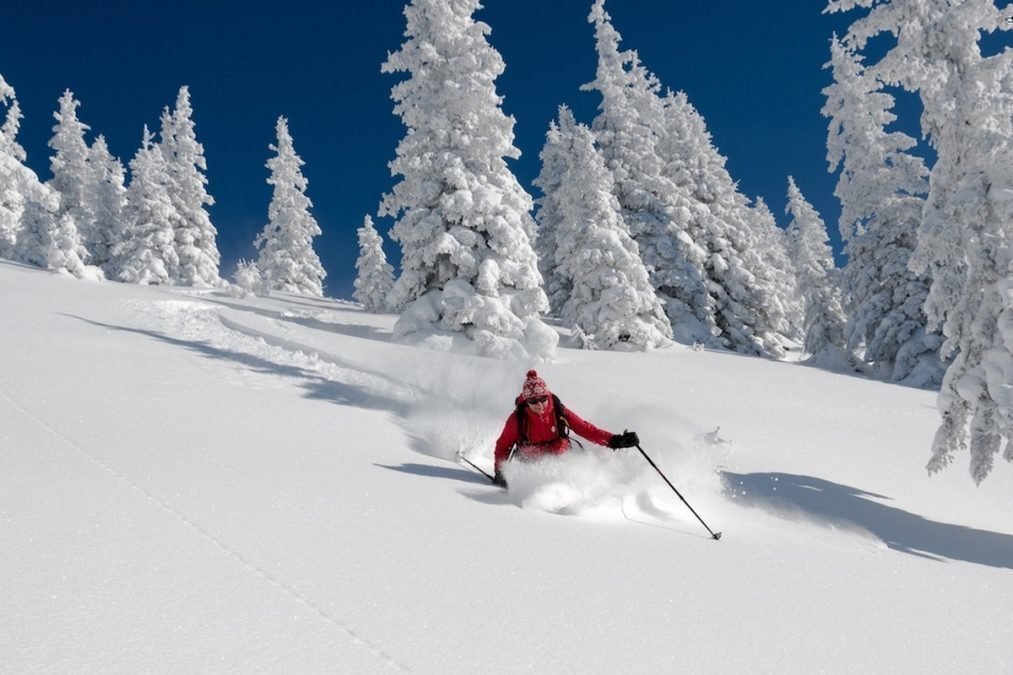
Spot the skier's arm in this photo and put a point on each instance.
(587, 430)
(509, 436)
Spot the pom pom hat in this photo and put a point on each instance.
(534, 387)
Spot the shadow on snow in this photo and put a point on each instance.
(361, 332)
(833, 503)
(432, 471)
(317, 387)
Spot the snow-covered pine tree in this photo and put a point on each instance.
(743, 289)
(965, 234)
(49, 239)
(881, 188)
(554, 156)
(287, 260)
(611, 299)
(693, 227)
(11, 204)
(147, 252)
(12, 122)
(196, 247)
(12, 171)
(105, 199)
(813, 258)
(629, 129)
(464, 224)
(375, 276)
(71, 173)
(773, 248)
(248, 279)
(30, 228)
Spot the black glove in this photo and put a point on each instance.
(499, 480)
(627, 439)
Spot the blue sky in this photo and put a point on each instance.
(754, 70)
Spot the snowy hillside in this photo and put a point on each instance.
(192, 482)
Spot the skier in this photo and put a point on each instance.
(541, 426)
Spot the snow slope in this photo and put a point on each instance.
(191, 482)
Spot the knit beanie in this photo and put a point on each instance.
(534, 387)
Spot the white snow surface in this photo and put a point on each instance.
(191, 482)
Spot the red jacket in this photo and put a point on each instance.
(543, 437)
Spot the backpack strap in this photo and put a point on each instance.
(559, 411)
(562, 426)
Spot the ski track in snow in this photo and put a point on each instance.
(229, 551)
(200, 322)
(327, 365)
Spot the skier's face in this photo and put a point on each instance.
(538, 404)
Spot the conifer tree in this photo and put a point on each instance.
(11, 204)
(881, 188)
(196, 248)
(12, 122)
(549, 218)
(31, 228)
(147, 253)
(248, 279)
(965, 233)
(610, 299)
(693, 227)
(71, 173)
(12, 172)
(743, 291)
(463, 220)
(287, 260)
(105, 198)
(813, 258)
(629, 130)
(375, 276)
(28, 208)
(49, 239)
(773, 247)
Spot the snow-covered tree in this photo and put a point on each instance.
(12, 172)
(629, 129)
(813, 258)
(248, 279)
(550, 215)
(147, 253)
(196, 249)
(65, 251)
(105, 199)
(610, 299)
(71, 172)
(464, 225)
(287, 259)
(49, 239)
(32, 227)
(743, 291)
(12, 122)
(693, 227)
(964, 238)
(375, 276)
(881, 187)
(773, 247)
(11, 204)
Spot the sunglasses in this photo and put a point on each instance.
(538, 400)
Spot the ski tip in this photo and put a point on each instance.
(717, 536)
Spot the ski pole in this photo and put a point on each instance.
(714, 535)
(491, 479)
